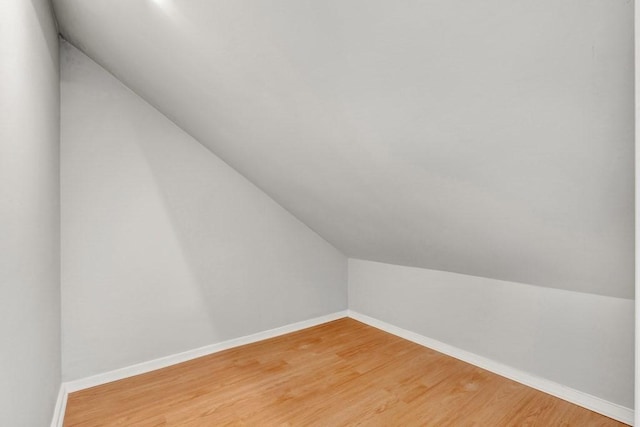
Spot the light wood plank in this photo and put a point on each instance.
(335, 374)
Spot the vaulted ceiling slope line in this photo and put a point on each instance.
(491, 139)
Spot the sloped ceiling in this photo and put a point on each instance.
(489, 138)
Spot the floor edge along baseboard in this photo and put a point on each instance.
(579, 398)
(585, 400)
(163, 362)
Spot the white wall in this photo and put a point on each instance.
(29, 213)
(165, 248)
(491, 138)
(637, 209)
(583, 341)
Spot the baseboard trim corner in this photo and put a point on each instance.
(61, 405)
(593, 403)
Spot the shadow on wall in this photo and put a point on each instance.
(47, 25)
(165, 247)
(203, 229)
(238, 244)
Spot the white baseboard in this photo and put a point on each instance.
(585, 400)
(61, 405)
(173, 359)
(163, 362)
(593, 403)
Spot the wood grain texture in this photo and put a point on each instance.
(339, 373)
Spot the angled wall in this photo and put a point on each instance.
(29, 213)
(489, 138)
(165, 248)
(492, 139)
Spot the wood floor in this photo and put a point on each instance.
(339, 373)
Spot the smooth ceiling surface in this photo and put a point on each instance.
(489, 138)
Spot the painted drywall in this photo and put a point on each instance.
(579, 340)
(29, 213)
(637, 213)
(165, 248)
(490, 138)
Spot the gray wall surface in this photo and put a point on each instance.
(29, 213)
(489, 138)
(165, 248)
(582, 341)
